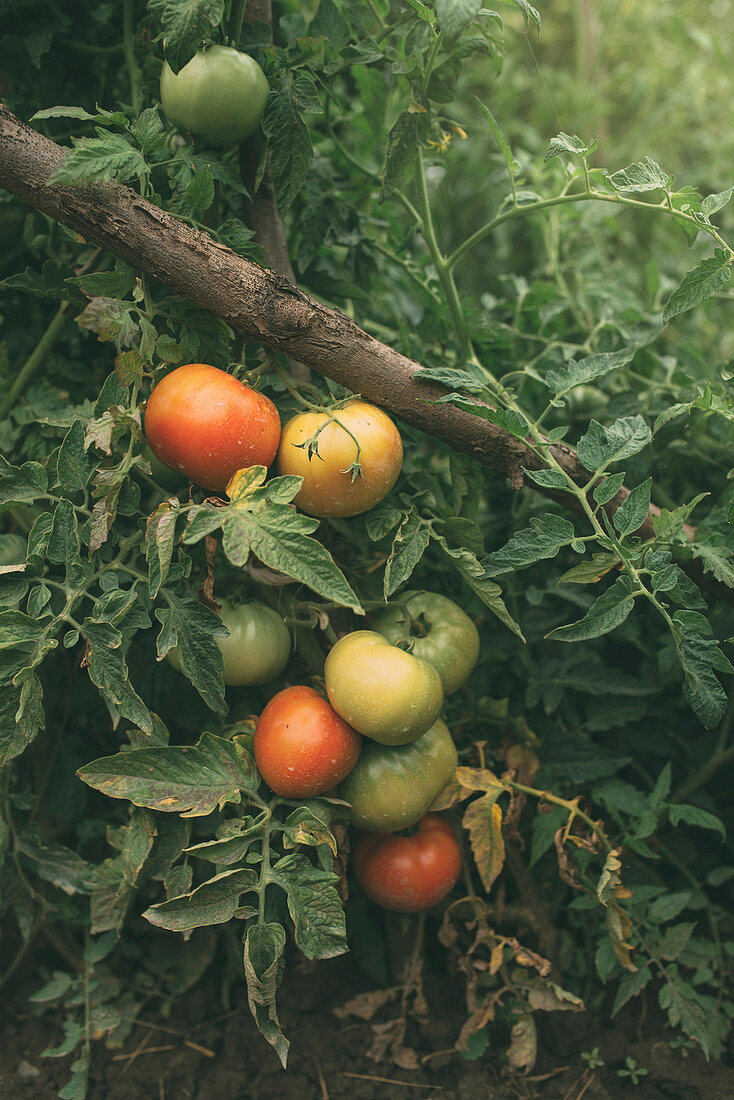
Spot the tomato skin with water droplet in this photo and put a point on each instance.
(302, 747)
(408, 873)
(207, 424)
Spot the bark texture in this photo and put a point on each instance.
(263, 305)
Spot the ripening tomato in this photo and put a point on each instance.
(219, 95)
(382, 691)
(302, 747)
(205, 423)
(329, 486)
(391, 788)
(408, 873)
(440, 632)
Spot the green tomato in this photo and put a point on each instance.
(445, 635)
(380, 690)
(219, 95)
(257, 647)
(392, 788)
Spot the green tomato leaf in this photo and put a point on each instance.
(264, 965)
(191, 629)
(191, 780)
(644, 175)
(586, 370)
(409, 545)
(214, 902)
(601, 446)
(699, 284)
(479, 580)
(185, 26)
(314, 906)
(633, 510)
(606, 613)
(545, 536)
(454, 16)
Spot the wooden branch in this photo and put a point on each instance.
(267, 307)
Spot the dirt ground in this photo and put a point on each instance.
(199, 1053)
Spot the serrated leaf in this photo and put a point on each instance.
(507, 419)
(715, 557)
(548, 479)
(214, 902)
(410, 543)
(631, 986)
(644, 175)
(586, 370)
(606, 613)
(699, 284)
(160, 541)
(483, 821)
(263, 957)
(106, 157)
(476, 576)
(670, 522)
(693, 815)
(314, 906)
(191, 780)
(600, 446)
(699, 655)
(633, 510)
(713, 203)
(591, 571)
(569, 143)
(278, 535)
(186, 26)
(454, 16)
(191, 629)
(289, 140)
(109, 672)
(73, 465)
(545, 536)
(21, 484)
(407, 136)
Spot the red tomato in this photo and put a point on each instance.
(202, 421)
(408, 873)
(302, 746)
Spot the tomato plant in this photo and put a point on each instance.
(439, 632)
(302, 747)
(408, 873)
(349, 459)
(205, 423)
(562, 479)
(391, 787)
(257, 647)
(384, 692)
(219, 95)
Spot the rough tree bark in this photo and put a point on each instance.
(264, 306)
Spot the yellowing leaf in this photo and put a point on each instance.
(483, 821)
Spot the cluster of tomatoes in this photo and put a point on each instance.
(379, 742)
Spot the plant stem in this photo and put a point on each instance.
(584, 196)
(36, 358)
(236, 17)
(442, 268)
(136, 77)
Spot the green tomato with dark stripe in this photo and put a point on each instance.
(392, 787)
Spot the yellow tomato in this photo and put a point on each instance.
(329, 485)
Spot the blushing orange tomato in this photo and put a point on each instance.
(207, 424)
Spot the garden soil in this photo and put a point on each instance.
(200, 1053)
